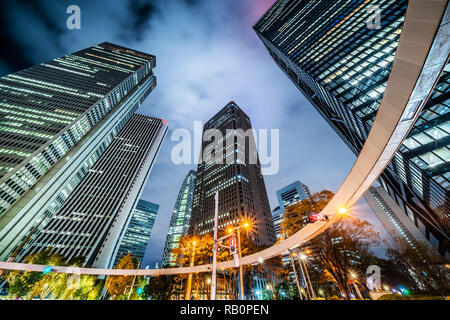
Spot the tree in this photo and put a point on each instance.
(421, 265)
(119, 286)
(50, 285)
(199, 247)
(21, 283)
(296, 216)
(160, 287)
(338, 250)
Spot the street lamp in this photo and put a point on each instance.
(343, 210)
(354, 277)
(292, 254)
(303, 257)
(189, 283)
(244, 224)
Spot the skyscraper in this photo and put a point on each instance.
(393, 219)
(57, 118)
(277, 218)
(292, 193)
(181, 217)
(137, 234)
(288, 195)
(242, 192)
(94, 218)
(340, 54)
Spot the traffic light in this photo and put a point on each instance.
(139, 290)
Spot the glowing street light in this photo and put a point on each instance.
(354, 276)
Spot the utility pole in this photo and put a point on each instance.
(292, 258)
(232, 249)
(132, 286)
(309, 280)
(189, 282)
(295, 275)
(304, 280)
(241, 280)
(214, 264)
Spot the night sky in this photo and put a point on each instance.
(207, 55)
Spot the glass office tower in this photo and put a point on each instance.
(181, 217)
(57, 118)
(288, 195)
(292, 193)
(138, 231)
(341, 62)
(94, 219)
(393, 219)
(241, 187)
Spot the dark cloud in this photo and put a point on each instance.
(136, 23)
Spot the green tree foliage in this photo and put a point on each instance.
(119, 286)
(51, 285)
(21, 283)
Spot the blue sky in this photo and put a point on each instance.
(207, 55)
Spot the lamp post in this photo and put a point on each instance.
(241, 278)
(303, 258)
(291, 256)
(216, 221)
(308, 293)
(354, 276)
(189, 282)
(216, 243)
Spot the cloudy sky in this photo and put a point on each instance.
(207, 55)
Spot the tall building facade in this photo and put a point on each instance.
(93, 220)
(292, 193)
(180, 220)
(138, 231)
(57, 119)
(340, 60)
(241, 187)
(277, 218)
(392, 218)
(288, 195)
